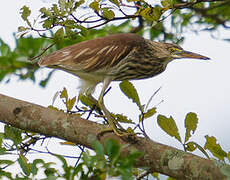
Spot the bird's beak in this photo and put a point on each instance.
(188, 54)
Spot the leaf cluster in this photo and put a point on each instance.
(100, 166)
(107, 161)
(169, 126)
(15, 62)
(69, 19)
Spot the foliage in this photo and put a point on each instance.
(69, 26)
(66, 16)
(64, 24)
(108, 160)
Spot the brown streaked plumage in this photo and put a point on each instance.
(115, 58)
(119, 57)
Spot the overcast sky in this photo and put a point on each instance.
(187, 85)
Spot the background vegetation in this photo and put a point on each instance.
(68, 22)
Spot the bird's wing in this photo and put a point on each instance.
(99, 53)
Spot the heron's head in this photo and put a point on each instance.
(177, 52)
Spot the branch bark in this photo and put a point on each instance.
(157, 157)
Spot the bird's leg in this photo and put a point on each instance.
(112, 122)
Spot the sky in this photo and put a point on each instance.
(186, 86)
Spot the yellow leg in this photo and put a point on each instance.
(112, 122)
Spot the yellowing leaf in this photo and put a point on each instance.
(214, 148)
(68, 143)
(191, 122)
(129, 90)
(169, 126)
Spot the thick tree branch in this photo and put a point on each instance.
(158, 157)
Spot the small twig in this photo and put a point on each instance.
(79, 158)
(43, 51)
(151, 98)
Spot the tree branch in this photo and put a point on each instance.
(158, 157)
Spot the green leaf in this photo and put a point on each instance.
(155, 175)
(6, 162)
(214, 148)
(228, 155)
(166, 3)
(44, 82)
(45, 12)
(122, 118)
(112, 149)
(151, 13)
(94, 5)
(70, 33)
(70, 103)
(26, 167)
(191, 122)
(98, 148)
(64, 94)
(47, 23)
(62, 4)
(87, 101)
(62, 159)
(150, 113)
(201, 149)
(107, 13)
(84, 31)
(22, 29)
(25, 13)
(13, 133)
(34, 168)
(190, 147)
(116, 2)
(49, 172)
(78, 3)
(169, 126)
(129, 90)
(4, 51)
(59, 35)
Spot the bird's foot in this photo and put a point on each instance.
(115, 130)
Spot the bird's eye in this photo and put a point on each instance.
(174, 50)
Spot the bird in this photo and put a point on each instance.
(116, 57)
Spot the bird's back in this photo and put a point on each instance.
(95, 54)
